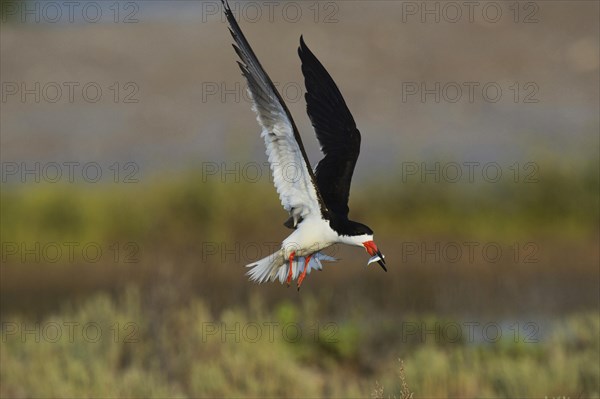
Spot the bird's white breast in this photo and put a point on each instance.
(312, 235)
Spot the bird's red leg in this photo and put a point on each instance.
(301, 278)
(289, 277)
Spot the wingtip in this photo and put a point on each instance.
(302, 43)
(303, 50)
(227, 11)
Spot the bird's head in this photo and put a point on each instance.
(363, 237)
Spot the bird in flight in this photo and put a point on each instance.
(317, 201)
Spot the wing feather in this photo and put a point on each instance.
(336, 131)
(293, 178)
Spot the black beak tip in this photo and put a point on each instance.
(381, 261)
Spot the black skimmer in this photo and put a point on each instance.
(317, 201)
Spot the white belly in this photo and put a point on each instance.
(312, 235)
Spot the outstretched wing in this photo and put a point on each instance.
(336, 132)
(293, 178)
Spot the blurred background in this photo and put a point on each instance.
(135, 188)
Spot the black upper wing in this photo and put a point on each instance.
(336, 132)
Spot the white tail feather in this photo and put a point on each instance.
(276, 267)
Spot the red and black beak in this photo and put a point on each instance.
(376, 255)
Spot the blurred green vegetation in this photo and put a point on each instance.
(561, 204)
(352, 319)
(149, 351)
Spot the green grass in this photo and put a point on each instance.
(172, 352)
